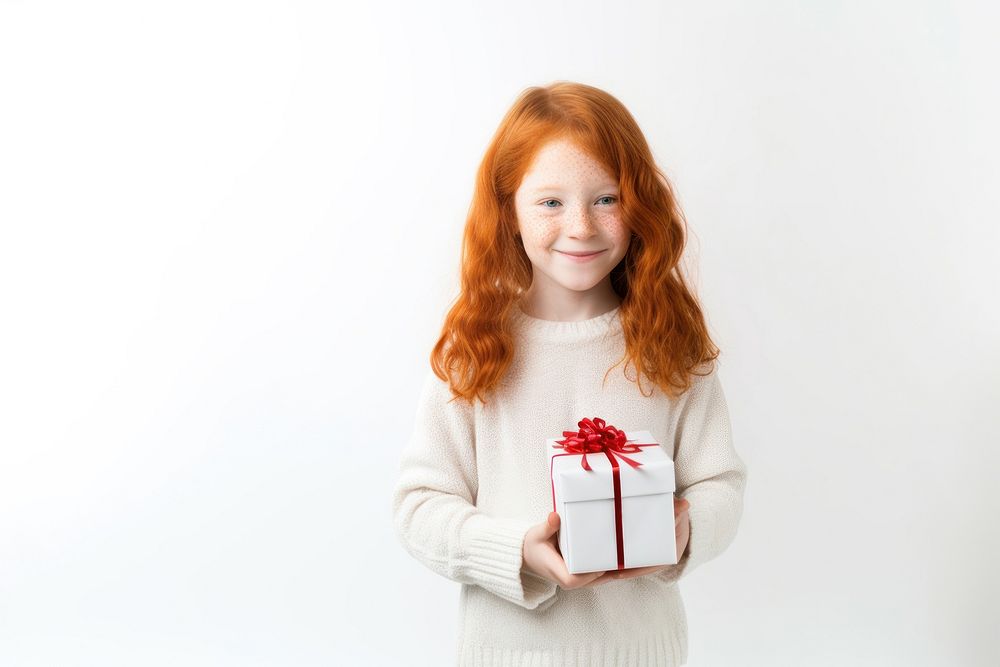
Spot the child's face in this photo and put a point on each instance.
(568, 202)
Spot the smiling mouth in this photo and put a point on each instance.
(580, 254)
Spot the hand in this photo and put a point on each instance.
(541, 556)
(682, 531)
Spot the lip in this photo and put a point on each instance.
(580, 256)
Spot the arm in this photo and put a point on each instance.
(710, 475)
(434, 511)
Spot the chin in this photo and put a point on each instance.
(578, 286)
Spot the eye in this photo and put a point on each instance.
(611, 197)
(547, 201)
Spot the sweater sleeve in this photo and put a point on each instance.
(709, 473)
(434, 506)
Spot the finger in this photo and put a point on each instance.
(551, 524)
(560, 573)
(553, 560)
(628, 573)
(576, 580)
(587, 578)
(633, 572)
(605, 577)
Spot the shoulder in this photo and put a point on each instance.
(706, 385)
(704, 375)
(436, 394)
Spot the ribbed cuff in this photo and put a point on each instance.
(494, 560)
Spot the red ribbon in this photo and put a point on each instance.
(596, 435)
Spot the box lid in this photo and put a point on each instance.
(573, 483)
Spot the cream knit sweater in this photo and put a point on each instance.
(473, 480)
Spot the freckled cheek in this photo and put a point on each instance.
(539, 231)
(613, 225)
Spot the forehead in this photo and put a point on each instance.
(561, 162)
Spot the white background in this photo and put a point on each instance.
(230, 232)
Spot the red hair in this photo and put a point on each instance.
(666, 336)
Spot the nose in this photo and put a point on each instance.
(579, 224)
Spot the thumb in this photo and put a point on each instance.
(551, 524)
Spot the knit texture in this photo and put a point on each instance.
(473, 480)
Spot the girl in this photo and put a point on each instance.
(570, 266)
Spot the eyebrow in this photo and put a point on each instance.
(554, 188)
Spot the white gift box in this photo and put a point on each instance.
(599, 531)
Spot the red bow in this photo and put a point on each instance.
(596, 435)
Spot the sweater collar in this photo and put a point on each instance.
(533, 328)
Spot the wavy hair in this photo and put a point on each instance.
(666, 336)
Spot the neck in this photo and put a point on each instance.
(565, 305)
